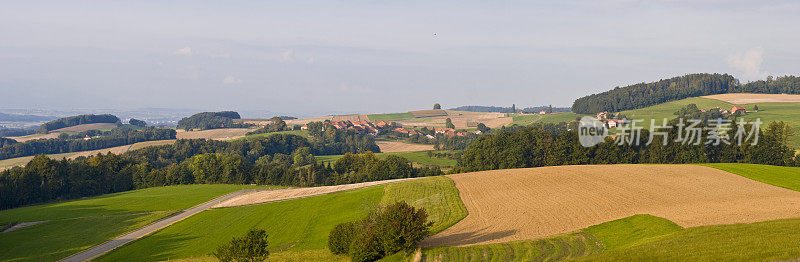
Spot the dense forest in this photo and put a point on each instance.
(779, 85)
(647, 94)
(552, 145)
(209, 120)
(280, 159)
(66, 143)
(9, 132)
(76, 120)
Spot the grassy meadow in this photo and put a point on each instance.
(303, 133)
(298, 229)
(525, 120)
(391, 117)
(79, 224)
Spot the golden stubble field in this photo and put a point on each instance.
(518, 204)
(746, 98)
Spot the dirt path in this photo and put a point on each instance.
(518, 204)
(392, 146)
(22, 225)
(293, 193)
(101, 249)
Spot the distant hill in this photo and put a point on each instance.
(499, 109)
(642, 95)
(24, 118)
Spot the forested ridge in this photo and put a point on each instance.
(647, 94)
(209, 120)
(76, 120)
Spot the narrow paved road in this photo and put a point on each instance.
(101, 249)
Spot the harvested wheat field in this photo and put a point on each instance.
(292, 193)
(461, 119)
(34, 136)
(517, 204)
(391, 146)
(214, 134)
(745, 98)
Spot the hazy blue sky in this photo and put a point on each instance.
(310, 57)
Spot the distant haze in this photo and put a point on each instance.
(314, 58)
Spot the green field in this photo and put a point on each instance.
(417, 157)
(768, 112)
(593, 240)
(20, 161)
(438, 195)
(525, 120)
(298, 229)
(391, 117)
(303, 133)
(79, 224)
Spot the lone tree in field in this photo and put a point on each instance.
(449, 123)
(755, 108)
(437, 106)
(251, 247)
(513, 108)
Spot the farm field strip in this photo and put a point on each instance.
(748, 98)
(294, 193)
(567, 198)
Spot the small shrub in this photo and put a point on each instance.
(251, 247)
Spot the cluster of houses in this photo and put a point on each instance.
(610, 122)
(438, 130)
(373, 128)
(734, 110)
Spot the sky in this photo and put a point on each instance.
(334, 57)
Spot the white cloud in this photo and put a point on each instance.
(287, 55)
(187, 51)
(749, 63)
(310, 60)
(231, 80)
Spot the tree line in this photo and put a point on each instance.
(552, 145)
(8, 132)
(281, 159)
(66, 143)
(76, 120)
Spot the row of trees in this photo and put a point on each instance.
(779, 85)
(280, 159)
(118, 136)
(552, 145)
(209, 120)
(647, 94)
(76, 120)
